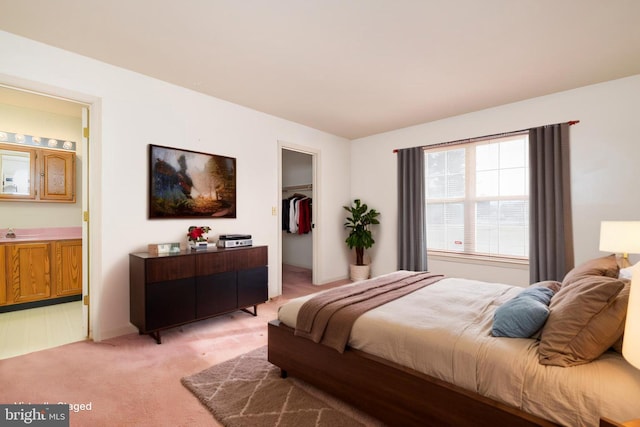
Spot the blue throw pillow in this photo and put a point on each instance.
(523, 315)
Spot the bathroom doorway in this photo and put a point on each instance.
(39, 325)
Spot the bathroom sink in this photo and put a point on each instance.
(21, 238)
(41, 234)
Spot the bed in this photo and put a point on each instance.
(430, 357)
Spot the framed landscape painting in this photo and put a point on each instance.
(190, 184)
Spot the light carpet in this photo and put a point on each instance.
(248, 391)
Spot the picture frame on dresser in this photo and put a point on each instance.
(190, 184)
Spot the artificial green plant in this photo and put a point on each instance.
(359, 223)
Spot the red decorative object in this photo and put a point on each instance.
(198, 234)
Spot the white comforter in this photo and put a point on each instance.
(444, 330)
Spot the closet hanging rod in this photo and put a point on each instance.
(298, 187)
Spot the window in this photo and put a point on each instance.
(478, 197)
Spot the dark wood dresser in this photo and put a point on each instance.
(173, 289)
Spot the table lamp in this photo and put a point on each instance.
(620, 237)
(631, 343)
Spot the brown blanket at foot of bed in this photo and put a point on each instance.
(328, 317)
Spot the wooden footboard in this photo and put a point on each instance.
(394, 394)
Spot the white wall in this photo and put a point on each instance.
(39, 123)
(605, 146)
(130, 111)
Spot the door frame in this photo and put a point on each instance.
(86, 266)
(90, 183)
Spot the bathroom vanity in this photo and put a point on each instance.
(40, 269)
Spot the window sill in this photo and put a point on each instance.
(514, 263)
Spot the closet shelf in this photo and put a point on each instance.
(307, 187)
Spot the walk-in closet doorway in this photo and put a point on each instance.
(298, 211)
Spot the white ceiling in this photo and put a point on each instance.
(349, 67)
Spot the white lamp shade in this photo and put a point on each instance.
(631, 343)
(620, 237)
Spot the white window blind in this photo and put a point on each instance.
(477, 197)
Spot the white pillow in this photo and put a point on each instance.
(625, 273)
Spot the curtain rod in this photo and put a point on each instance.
(477, 138)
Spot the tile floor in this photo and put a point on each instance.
(35, 329)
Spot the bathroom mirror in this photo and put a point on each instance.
(17, 171)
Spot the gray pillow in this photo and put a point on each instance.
(524, 315)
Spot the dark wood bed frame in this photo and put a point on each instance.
(391, 393)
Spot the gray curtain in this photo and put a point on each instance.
(551, 235)
(412, 228)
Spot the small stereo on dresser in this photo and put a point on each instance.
(234, 240)
(235, 236)
(234, 243)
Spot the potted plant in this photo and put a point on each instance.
(198, 237)
(359, 223)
